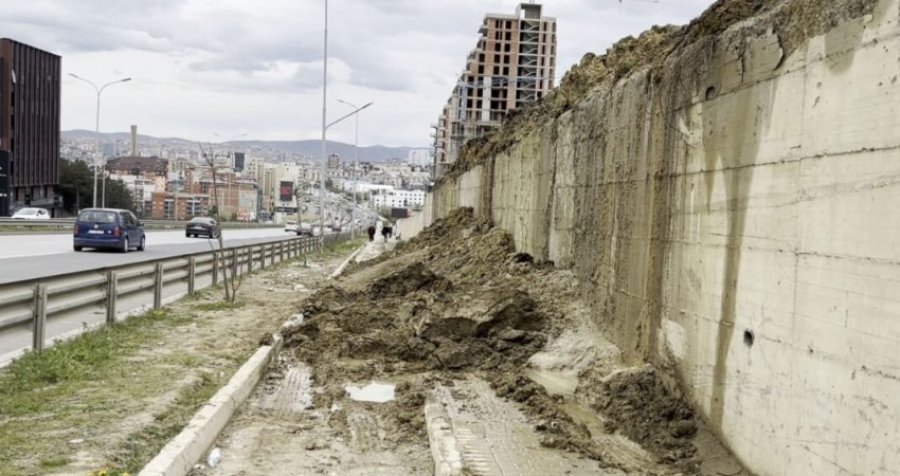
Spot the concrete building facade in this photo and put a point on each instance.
(513, 64)
(29, 123)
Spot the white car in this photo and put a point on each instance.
(32, 214)
(290, 226)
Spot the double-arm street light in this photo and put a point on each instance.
(99, 152)
(355, 152)
(324, 160)
(325, 126)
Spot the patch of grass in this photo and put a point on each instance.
(54, 462)
(72, 389)
(222, 305)
(29, 382)
(345, 247)
(140, 447)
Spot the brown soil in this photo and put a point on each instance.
(469, 304)
(639, 405)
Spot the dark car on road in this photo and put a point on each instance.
(108, 228)
(202, 226)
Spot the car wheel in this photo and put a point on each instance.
(125, 245)
(76, 248)
(187, 235)
(143, 244)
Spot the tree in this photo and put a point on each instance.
(118, 195)
(230, 280)
(77, 187)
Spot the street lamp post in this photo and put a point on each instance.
(324, 130)
(98, 152)
(325, 126)
(355, 154)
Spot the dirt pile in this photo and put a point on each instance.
(640, 406)
(459, 301)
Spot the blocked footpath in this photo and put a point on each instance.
(186, 449)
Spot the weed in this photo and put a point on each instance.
(218, 306)
(142, 445)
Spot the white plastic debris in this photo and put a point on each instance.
(214, 458)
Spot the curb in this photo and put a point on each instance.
(340, 269)
(178, 457)
(447, 458)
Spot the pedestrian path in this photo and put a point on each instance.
(375, 248)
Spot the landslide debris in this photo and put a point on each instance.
(640, 406)
(457, 301)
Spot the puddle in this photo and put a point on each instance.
(374, 392)
(555, 382)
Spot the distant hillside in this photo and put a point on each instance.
(312, 148)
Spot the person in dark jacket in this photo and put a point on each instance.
(371, 231)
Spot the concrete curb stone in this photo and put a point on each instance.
(178, 457)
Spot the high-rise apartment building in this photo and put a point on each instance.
(29, 123)
(513, 63)
(334, 161)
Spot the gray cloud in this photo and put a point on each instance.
(403, 52)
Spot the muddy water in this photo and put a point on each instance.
(373, 392)
(556, 382)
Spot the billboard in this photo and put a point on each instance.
(286, 191)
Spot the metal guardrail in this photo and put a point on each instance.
(118, 291)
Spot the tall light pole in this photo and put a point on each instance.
(324, 130)
(355, 153)
(99, 152)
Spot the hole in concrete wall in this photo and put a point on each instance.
(749, 338)
(711, 92)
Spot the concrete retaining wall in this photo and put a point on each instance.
(733, 216)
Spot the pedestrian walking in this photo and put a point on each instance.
(385, 232)
(371, 232)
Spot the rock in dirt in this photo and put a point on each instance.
(479, 313)
(415, 277)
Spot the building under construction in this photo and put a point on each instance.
(513, 63)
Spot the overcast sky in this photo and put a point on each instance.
(233, 67)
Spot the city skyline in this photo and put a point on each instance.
(200, 67)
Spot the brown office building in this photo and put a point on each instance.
(513, 64)
(29, 123)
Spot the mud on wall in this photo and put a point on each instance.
(732, 215)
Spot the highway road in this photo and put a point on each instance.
(34, 256)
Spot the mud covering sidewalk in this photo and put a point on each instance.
(454, 354)
(288, 427)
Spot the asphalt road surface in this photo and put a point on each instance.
(33, 256)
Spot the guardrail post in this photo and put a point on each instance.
(39, 318)
(234, 263)
(192, 274)
(262, 257)
(215, 271)
(112, 284)
(158, 286)
(281, 250)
